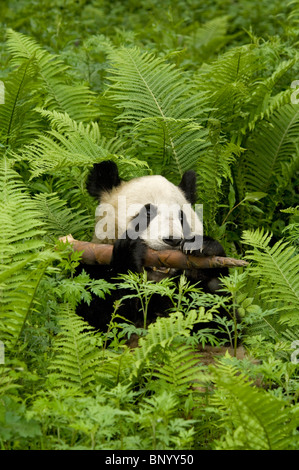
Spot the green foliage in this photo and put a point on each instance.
(179, 377)
(22, 265)
(74, 99)
(253, 419)
(273, 154)
(75, 354)
(277, 269)
(209, 86)
(162, 106)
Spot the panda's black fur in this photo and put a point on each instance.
(104, 183)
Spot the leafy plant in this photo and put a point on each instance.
(277, 269)
(75, 355)
(253, 419)
(161, 104)
(22, 265)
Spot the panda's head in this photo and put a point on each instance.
(149, 207)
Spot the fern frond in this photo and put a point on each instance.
(268, 104)
(116, 368)
(292, 229)
(18, 121)
(76, 100)
(22, 261)
(75, 353)
(161, 334)
(155, 95)
(272, 146)
(277, 268)
(68, 144)
(180, 367)
(208, 38)
(253, 418)
(8, 380)
(59, 219)
(214, 166)
(22, 47)
(20, 224)
(155, 139)
(229, 81)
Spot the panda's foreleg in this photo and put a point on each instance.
(128, 255)
(203, 246)
(212, 247)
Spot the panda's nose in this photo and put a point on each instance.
(171, 241)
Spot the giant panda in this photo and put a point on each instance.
(133, 215)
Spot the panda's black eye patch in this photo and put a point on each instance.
(141, 221)
(184, 223)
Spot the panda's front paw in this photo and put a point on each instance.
(128, 255)
(211, 247)
(193, 246)
(203, 246)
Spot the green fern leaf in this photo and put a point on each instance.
(208, 38)
(68, 144)
(161, 103)
(58, 219)
(75, 353)
(18, 122)
(230, 82)
(76, 100)
(162, 334)
(269, 104)
(22, 261)
(277, 268)
(180, 369)
(273, 146)
(116, 368)
(252, 418)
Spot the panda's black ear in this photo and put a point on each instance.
(188, 185)
(102, 177)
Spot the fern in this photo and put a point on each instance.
(59, 219)
(70, 144)
(8, 380)
(273, 152)
(75, 353)
(213, 169)
(18, 121)
(253, 419)
(116, 368)
(229, 82)
(76, 100)
(22, 265)
(180, 368)
(55, 150)
(292, 229)
(208, 38)
(163, 333)
(277, 268)
(270, 104)
(160, 99)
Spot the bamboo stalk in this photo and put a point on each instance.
(94, 253)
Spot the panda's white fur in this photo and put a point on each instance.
(120, 206)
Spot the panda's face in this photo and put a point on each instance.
(151, 208)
